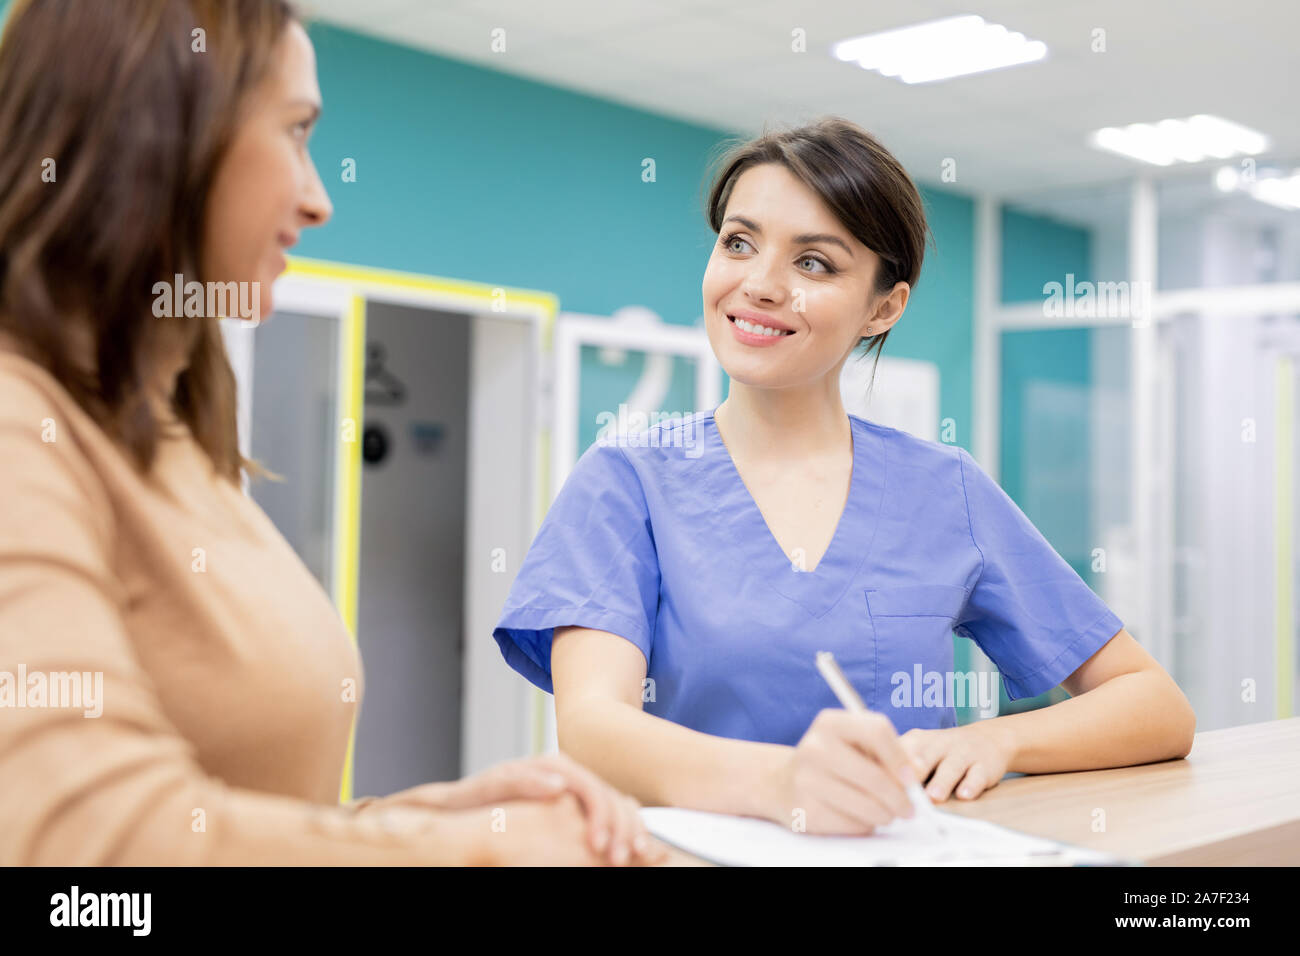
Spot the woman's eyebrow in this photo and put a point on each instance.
(314, 104)
(801, 239)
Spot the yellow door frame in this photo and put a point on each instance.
(1284, 547)
(360, 284)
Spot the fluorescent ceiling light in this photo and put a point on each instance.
(1282, 192)
(940, 49)
(1188, 140)
(1268, 186)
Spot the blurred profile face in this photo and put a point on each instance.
(266, 189)
(783, 262)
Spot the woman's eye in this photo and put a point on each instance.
(300, 130)
(727, 242)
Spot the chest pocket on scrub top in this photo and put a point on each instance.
(912, 625)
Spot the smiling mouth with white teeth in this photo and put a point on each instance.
(754, 329)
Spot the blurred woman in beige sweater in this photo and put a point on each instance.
(175, 687)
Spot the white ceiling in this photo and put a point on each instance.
(1012, 132)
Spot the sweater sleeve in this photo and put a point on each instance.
(111, 781)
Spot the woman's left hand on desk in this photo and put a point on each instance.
(614, 823)
(966, 760)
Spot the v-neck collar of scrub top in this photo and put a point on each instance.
(756, 548)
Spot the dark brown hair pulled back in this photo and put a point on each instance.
(860, 181)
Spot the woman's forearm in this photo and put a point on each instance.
(664, 764)
(1134, 718)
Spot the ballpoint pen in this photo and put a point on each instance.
(850, 700)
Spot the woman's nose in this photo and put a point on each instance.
(762, 280)
(316, 207)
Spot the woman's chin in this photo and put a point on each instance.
(755, 378)
(753, 366)
(263, 300)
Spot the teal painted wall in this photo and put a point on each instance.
(1035, 251)
(938, 324)
(471, 173)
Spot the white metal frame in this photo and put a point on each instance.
(574, 330)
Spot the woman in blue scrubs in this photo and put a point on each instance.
(683, 580)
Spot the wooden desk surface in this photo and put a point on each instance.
(1233, 801)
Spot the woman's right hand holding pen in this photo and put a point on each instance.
(846, 776)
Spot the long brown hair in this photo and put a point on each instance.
(860, 181)
(114, 118)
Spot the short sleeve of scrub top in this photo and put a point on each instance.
(1029, 611)
(592, 564)
(660, 543)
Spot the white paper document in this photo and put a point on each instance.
(746, 841)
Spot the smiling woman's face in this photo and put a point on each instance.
(266, 189)
(783, 259)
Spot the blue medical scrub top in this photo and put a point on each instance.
(660, 543)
